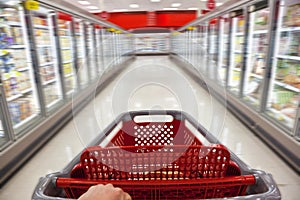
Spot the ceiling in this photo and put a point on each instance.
(141, 5)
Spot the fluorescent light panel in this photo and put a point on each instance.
(219, 4)
(134, 5)
(194, 8)
(170, 8)
(155, 0)
(84, 2)
(120, 10)
(95, 11)
(92, 7)
(176, 4)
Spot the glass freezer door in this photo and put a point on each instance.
(81, 59)
(66, 50)
(203, 34)
(213, 49)
(257, 53)
(16, 68)
(223, 46)
(98, 48)
(236, 53)
(91, 53)
(5, 137)
(284, 94)
(43, 23)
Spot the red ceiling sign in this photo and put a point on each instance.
(151, 18)
(211, 4)
(104, 15)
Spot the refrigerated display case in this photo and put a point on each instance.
(257, 55)
(284, 93)
(107, 46)
(152, 43)
(98, 48)
(213, 48)
(81, 59)
(43, 22)
(66, 50)
(91, 51)
(4, 136)
(236, 51)
(203, 40)
(263, 71)
(16, 68)
(223, 48)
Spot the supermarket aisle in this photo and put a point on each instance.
(150, 83)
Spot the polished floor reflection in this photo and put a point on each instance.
(152, 82)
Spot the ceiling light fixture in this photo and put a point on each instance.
(203, 0)
(134, 5)
(95, 11)
(176, 4)
(120, 10)
(155, 0)
(193, 8)
(84, 2)
(219, 4)
(92, 7)
(170, 8)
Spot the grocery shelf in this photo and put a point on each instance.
(17, 46)
(237, 69)
(14, 97)
(239, 34)
(287, 29)
(68, 61)
(250, 99)
(69, 75)
(41, 27)
(50, 81)
(281, 117)
(260, 32)
(11, 23)
(25, 121)
(53, 103)
(287, 86)
(289, 57)
(26, 90)
(22, 69)
(65, 48)
(238, 51)
(70, 92)
(47, 63)
(256, 76)
(43, 45)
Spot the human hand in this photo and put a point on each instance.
(105, 192)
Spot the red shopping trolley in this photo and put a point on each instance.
(159, 155)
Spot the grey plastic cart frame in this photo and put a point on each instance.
(264, 188)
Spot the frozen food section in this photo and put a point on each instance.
(16, 68)
(81, 59)
(257, 54)
(284, 93)
(236, 51)
(258, 65)
(223, 51)
(46, 74)
(43, 22)
(65, 27)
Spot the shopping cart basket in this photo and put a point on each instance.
(159, 155)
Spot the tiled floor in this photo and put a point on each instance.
(150, 83)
